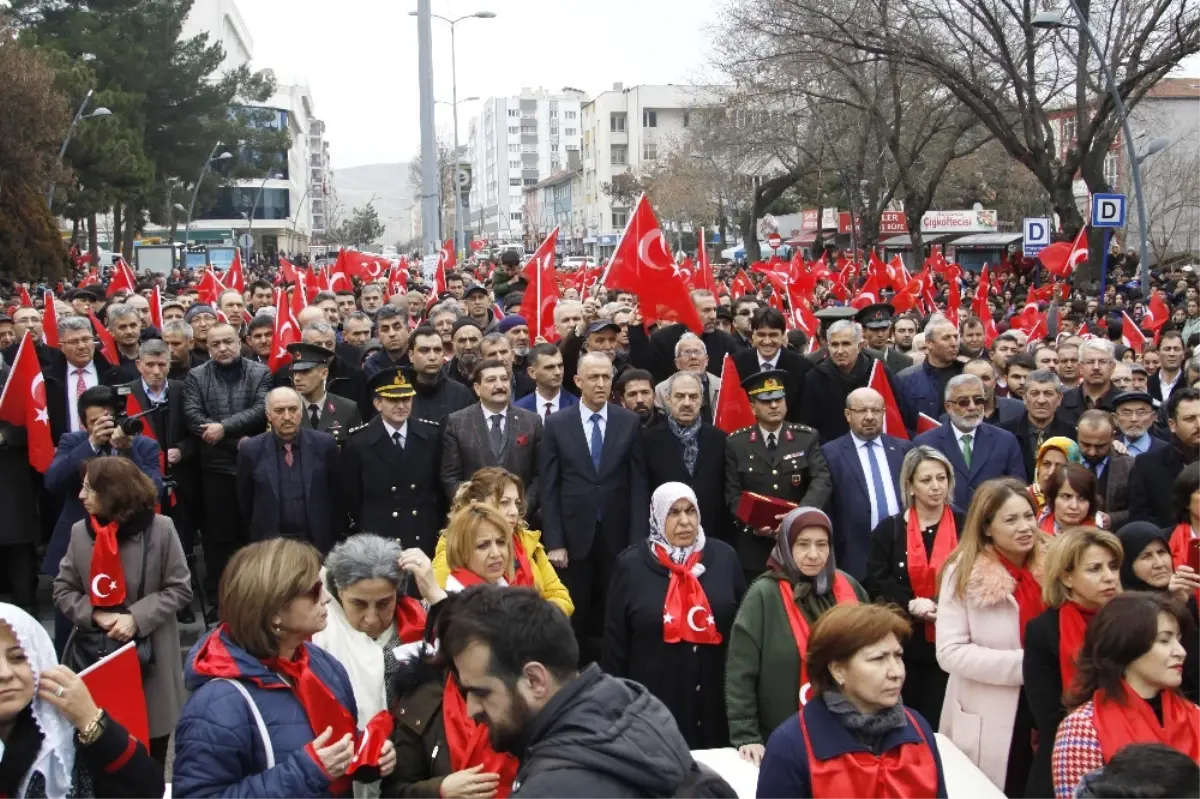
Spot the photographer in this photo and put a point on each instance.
(100, 411)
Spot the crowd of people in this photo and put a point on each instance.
(438, 555)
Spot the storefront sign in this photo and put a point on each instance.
(891, 223)
(828, 219)
(971, 221)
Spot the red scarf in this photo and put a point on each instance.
(908, 770)
(1072, 623)
(410, 620)
(1027, 592)
(1132, 721)
(523, 573)
(922, 571)
(320, 705)
(469, 744)
(1181, 541)
(843, 594)
(687, 616)
(107, 576)
(1049, 524)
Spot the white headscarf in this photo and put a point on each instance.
(56, 759)
(661, 501)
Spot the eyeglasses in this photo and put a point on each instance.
(967, 402)
(878, 411)
(1132, 412)
(313, 593)
(692, 353)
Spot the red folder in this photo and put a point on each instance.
(757, 510)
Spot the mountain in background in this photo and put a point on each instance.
(386, 185)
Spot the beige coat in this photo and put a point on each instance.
(168, 589)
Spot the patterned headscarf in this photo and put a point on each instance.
(56, 757)
(661, 501)
(1064, 445)
(782, 561)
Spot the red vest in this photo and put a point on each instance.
(843, 594)
(908, 771)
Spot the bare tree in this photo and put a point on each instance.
(1172, 178)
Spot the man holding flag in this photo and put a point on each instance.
(19, 531)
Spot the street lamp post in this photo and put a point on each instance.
(254, 208)
(187, 228)
(79, 116)
(1053, 20)
(459, 244)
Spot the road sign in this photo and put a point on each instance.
(775, 241)
(245, 240)
(1108, 210)
(1037, 235)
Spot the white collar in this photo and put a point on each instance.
(859, 443)
(541, 401)
(586, 412)
(778, 433)
(487, 415)
(89, 368)
(402, 430)
(320, 403)
(772, 361)
(958, 434)
(153, 394)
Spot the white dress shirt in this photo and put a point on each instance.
(91, 379)
(487, 419)
(391, 431)
(585, 416)
(541, 402)
(958, 437)
(771, 363)
(885, 471)
(157, 399)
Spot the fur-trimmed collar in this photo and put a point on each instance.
(990, 583)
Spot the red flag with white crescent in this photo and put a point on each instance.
(893, 422)
(543, 288)
(49, 320)
(287, 331)
(23, 403)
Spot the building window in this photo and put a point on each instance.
(530, 181)
(514, 148)
(514, 164)
(1111, 176)
(571, 115)
(686, 118)
(514, 181)
(513, 112)
(616, 123)
(554, 130)
(649, 151)
(619, 155)
(572, 131)
(620, 217)
(513, 129)
(649, 118)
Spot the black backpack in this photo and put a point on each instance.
(701, 782)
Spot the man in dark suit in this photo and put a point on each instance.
(1096, 390)
(287, 477)
(492, 432)
(1135, 414)
(865, 465)
(1169, 376)
(999, 409)
(661, 352)
(978, 451)
(546, 369)
(323, 411)
(78, 368)
(1042, 394)
(773, 458)
(688, 450)
(1154, 473)
(1112, 469)
(768, 331)
(390, 468)
(877, 321)
(593, 493)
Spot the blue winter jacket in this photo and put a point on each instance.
(218, 750)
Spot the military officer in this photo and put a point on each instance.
(774, 458)
(877, 322)
(827, 316)
(322, 411)
(390, 468)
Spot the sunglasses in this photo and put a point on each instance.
(966, 402)
(313, 593)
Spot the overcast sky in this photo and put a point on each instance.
(360, 57)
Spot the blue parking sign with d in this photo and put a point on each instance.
(1108, 210)
(1036, 234)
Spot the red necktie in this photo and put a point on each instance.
(549, 405)
(80, 385)
(287, 455)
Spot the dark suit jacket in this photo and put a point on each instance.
(1150, 482)
(55, 380)
(170, 430)
(1027, 441)
(664, 464)
(467, 448)
(578, 499)
(339, 416)
(258, 487)
(797, 368)
(1154, 387)
(892, 358)
(1072, 406)
(994, 453)
(531, 402)
(1116, 479)
(850, 505)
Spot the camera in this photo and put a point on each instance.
(129, 425)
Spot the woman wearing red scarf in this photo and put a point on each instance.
(271, 714)
(1072, 500)
(1127, 691)
(765, 674)
(501, 490)
(1082, 572)
(856, 737)
(671, 605)
(1185, 537)
(989, 591)
(907, 552)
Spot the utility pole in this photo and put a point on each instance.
(429, 156)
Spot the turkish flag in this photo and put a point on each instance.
(108, 347)
(397, 279)
(733, 411)
(543, 286)
(156, 308)
(1062, 259)
(49, 320)
(23, 403)
(122, 278)
(287, 331)
(703, 277)
(115, 683)
(741, 285)
(643, 264)
(445, 261)
(234, 277)
(1157, 313)
(893, 422)
(447, 257)
(979, 307)
(1131, 334)
(210, 287)
(287, 272)
(925, 423)
(23, 293)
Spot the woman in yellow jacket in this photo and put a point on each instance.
(503, 491)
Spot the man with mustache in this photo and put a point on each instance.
(492, 432)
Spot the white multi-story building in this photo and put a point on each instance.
(623, 129)
(320, 180)
(516, 142)
(223, 23)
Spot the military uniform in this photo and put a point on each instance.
(336, 415)
(393, 490)
(881, 316)
(795, 470)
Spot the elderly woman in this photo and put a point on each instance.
(765, 674)
(989, 591)
(907, 552)
(125, 577)
(671, 604)
(1082, 573)
(855, 737)
(1130, 673)
(1072, 499)
(1054, 452)
(270, 715)
(55, 741)
(502, 491)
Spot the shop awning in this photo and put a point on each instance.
(904, 242)
(988, 240)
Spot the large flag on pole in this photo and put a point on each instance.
(733, 411)
(543, 282)
(23, 404)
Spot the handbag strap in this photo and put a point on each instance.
(258, 720)
(145, 556)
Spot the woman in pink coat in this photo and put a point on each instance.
(989, 590)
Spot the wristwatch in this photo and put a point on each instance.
(92, 731)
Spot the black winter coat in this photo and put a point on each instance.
(688, 678)
(1042, 675)
(240, 405)
(664, 464)
(19, 524)
(1150, 484)
(826, 388)
(434, 403)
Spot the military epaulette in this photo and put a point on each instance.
(803, 428)
(430, 422)
(742, 430)
(354, 430)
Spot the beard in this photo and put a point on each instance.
(506, 736)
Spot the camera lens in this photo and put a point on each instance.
(132, 427)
